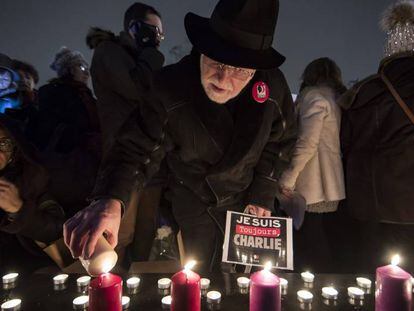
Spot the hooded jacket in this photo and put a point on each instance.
(378, 144)
(40, 218)
(121, 75)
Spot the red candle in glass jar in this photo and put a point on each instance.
(185, 290)
(105, 293)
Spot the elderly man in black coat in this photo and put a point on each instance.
(222, 117)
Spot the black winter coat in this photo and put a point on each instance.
(378, 145)
(212, 157)
(40, 218)
(121, 75)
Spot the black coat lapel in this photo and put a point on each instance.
(248, 122)
(215, 118)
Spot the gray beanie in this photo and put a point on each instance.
(65, 59)
(398, 23)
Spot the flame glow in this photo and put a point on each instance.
(396, 259)
(268, 266)
(190, 265)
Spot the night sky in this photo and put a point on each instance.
(346, 31)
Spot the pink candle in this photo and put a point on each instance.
(265, 292)
(105, 293)
(393, 288)
(185, 290)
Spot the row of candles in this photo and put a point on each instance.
(393, 290)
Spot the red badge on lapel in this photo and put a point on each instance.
(260, 92)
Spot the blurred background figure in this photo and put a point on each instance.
(66, 130)
(122, 70)
(378, 146)
(9, 81)
(29, 217)
(316, 168)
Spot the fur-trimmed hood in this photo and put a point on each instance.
(97, 35)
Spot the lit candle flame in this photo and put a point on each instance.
(395, 260)
(106, 266)
(268, 266)
(190, 265)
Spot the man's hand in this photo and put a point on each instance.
(258, 211)
(288, 192)
(10, 200)
(82, 231)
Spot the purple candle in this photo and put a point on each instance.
(393, 288)
(265, 292)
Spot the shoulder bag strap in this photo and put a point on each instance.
(398, 98)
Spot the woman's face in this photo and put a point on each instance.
(6, 149)
(80, 73)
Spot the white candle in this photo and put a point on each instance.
(329, 292)
(83, 281)
(355, 293)
(307, 277)
(104, 258)
(243, 282)
(125, 302)
(60, 279)
(164, 283)
(10, 278)
(283, 283)
(205, 283)
(213, 297)
(133, 282)
(166, 302)
(305, 296)
(364, 282)
(81, 302)
(11, 305)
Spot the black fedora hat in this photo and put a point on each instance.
(239, 33)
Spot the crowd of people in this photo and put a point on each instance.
(217, 131)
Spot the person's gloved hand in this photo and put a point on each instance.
(82, 231)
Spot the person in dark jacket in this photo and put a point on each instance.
(26, 93)
(67, 132)
(27, 212)
(378, 147)
(224, 120)
(122, 69)
(122, 66)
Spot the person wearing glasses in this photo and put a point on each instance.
(66, 130)
(122, 70)
(27, 212)
(122, 66)
(222, 117)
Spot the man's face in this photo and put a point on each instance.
(27, 80)
(155, 21)
(221, 82)
(80, 73)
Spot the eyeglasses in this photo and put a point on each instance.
(6, 145)
(160, 35)
(83, 68)
(235, 72)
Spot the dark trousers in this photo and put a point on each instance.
(311, 245)
(378, 242)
